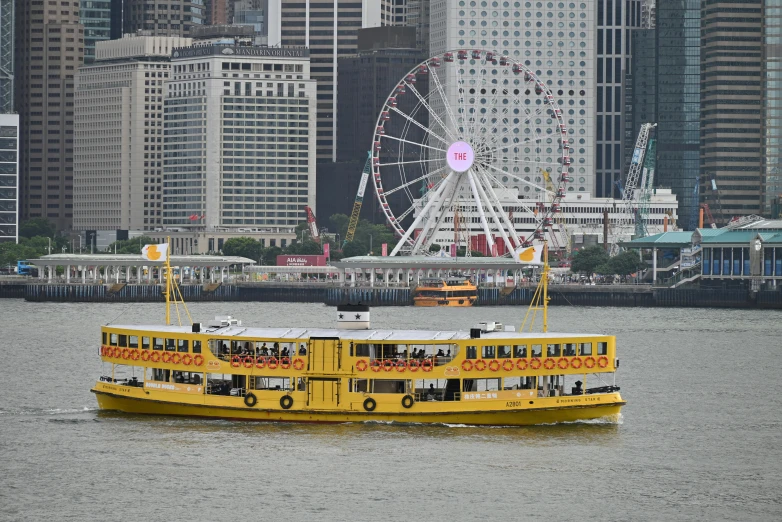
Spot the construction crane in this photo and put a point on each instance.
(646, 189)
(629, 194)
(362, 186)
(312, 224)
(707, 211)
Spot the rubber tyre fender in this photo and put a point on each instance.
(250, 400)
(286, 401)
(370, 404)
(408, 401)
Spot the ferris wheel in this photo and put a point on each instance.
(463, 144)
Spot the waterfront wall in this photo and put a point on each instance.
(560, 295)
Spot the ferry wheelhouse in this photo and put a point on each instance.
(451, 291)
(488, 375)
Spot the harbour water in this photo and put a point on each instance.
(700, 438)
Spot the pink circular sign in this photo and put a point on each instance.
(460, 156)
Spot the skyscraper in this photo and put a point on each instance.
(216, 12)
(678, 44)
(408, 13)
(615, 21)
(163, 17)
(6, 56)
(95, 16)
(731, 108)
(49, 49)
(9, 177)
(118, 138)
(328, 33)
(772, 107)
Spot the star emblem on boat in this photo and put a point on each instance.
(358, 316)
(341, 316)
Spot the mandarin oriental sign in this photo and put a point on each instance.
(232, 50)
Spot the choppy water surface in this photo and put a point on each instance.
(699, 439)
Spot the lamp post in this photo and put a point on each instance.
(370, 244)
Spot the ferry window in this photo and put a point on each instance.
(103, 336)
(569, 350)
(602, 348)
(489, 352)
(271, 383)
(182, 345)
(387, 386)
(133, 343)
(503, 351)
(478, 385)
(123, 341)
(170, 345)
(586, 349)
(537, 350)
(553, 350)
(196, 346)
(145, 343)
(359, 385)
(114, 339)
(520, 351)
(158, 343)
(472, 352)
(362, 350)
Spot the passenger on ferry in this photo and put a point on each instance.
(285, 352)
(276, 349)
(430, 393)
(440, 353)
(264, 349)
(302, 350)
(504, 352)
(224, 349)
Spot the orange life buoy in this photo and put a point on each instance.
(589, 362)
(187, 359)
(427, 365)
(535, 363)
(494, 365)
(507, 365)
(413, 365)
(198, 359)
(467, 365)
(298, 364)
(134, 355)
(563, 363)
(176, 358)
(361, 365)
(602, 361)
(117, 352)
(260, 362)
(376, 365)
(125, 353)
(388, 365)
(401, 366)
(480, 365)
(102, 350)
(236, 361)
(549, 363)
(248, 362)
(285, 363)
(522, 364)
(166, 358)
(154, 357)
(576, 363)
(144, 355)
(272, 363)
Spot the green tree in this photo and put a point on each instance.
(588, 259)
(130, 246)
(355, 248)
(624, 264)
(308, 248)
(270, 255)
(434, 247)
(37, 227)
(243, 247)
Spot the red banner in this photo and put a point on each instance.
(294, 260)
(326, 250)
(385, 249)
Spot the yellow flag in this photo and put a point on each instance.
(155, 252)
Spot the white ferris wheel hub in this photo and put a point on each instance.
(460, 156)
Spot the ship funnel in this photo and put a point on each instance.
(353, 317)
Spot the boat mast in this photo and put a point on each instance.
(540, 299)
(545, 286)
(168, 280)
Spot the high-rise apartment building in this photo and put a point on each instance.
(771, 91)
(216, 12)
(678, 41)
(239, 142)
(9, 177)
(329, 30)
(118, 138)
(6, 56)
(49, 50)
(615, 21)
(731, 116)
(410, 13)
(557, 41)
(163, 17)
(95, 16)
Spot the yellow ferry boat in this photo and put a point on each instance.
(489, 375)
(451, 291)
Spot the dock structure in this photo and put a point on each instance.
(133, 268)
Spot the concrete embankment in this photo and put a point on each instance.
(561, 295)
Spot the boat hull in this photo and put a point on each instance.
(508, 417)
(423, 301)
